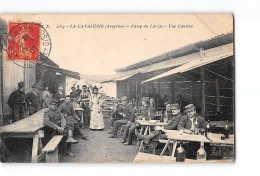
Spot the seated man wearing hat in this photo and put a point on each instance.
(191, 121)
(33, 99)
(71, 117)
(117, 114)
(16, 101)
(145, 111)
(126, 113)
(188, 124)
(55, 123)
(174, 119)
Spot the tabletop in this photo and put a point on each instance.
(214, 137)
(149, 123)
(27, 125)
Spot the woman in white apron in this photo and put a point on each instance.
(96, 117)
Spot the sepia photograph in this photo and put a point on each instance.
(117, 88)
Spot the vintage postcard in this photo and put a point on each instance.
(117, 88)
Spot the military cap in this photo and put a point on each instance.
(73, 87)
(168, 106)
(54, 102)
(95, 87)
(189, 107)
(34, 85)
(21, 84)
(146, 99)
(84, 86)
(175, 106)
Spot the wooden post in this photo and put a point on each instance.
(1, 85)
(191, 91)
(159, 90)
(217, 95)
(203, 105)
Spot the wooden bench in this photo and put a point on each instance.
(51, 149)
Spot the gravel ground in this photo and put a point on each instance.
(99, 148)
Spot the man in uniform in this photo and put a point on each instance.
(16, 101)
(78, 90)
(59, 96)
(158, 133)
(73, 94)
(33, 99)
(145, 111)
(71, 117)
(187, 124)
(84, 99)
(55, 123)
(155, 96)
(127, 114)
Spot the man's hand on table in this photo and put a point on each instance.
(60, 129)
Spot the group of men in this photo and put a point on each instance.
(124, 114)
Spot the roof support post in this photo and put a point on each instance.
(203, 105)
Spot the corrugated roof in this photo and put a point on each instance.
(186, 50)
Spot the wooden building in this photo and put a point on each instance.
(201, 73)
(46, 74)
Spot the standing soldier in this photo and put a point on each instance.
(17, 102)
(83, 100)
(78, 90)
(32, 98)
(71, 116)
(59, 96)
(55, 123)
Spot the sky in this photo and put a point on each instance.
(99, 51)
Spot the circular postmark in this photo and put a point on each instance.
(29, 44)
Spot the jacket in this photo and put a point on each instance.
(173, 122)
(185, 122)
(54, 119)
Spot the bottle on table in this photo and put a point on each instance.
(201, 153)
(226, 130)
(180, 154)
(196, 127)
(207, 130)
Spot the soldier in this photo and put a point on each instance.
(16, 101)
(187, 123)
(78, 90)
(145, 111)
(71, 117)
(74, 93)
(33, 99)
(59, 96)
(127, 115)
(172, 125)
(84, 100)
(55, 123)
(116, 115)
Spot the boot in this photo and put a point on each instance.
(128, 143)
(123, 141)
(83, 136)
(71, 139)
(112, 136)
(138, 135)
(68, 151)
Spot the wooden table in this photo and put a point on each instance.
(81, 116)
(174, 136)
(150, 158)
(145, 130)
(29, 127)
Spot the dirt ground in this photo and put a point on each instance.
(99, 148)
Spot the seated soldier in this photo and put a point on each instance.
(188, 124)
(127, 115)
(145, 111)
(56, 124)
(71, 117)
(174, 119)
(117, 114)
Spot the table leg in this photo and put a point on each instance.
(35, 148)
(142, 142)
(138, 142)
(174, 147)
(82, 118)
(165, 147)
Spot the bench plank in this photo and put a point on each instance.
(52, 144)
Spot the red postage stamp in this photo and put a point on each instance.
(24, 41)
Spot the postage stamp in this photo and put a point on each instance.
(25, 43)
